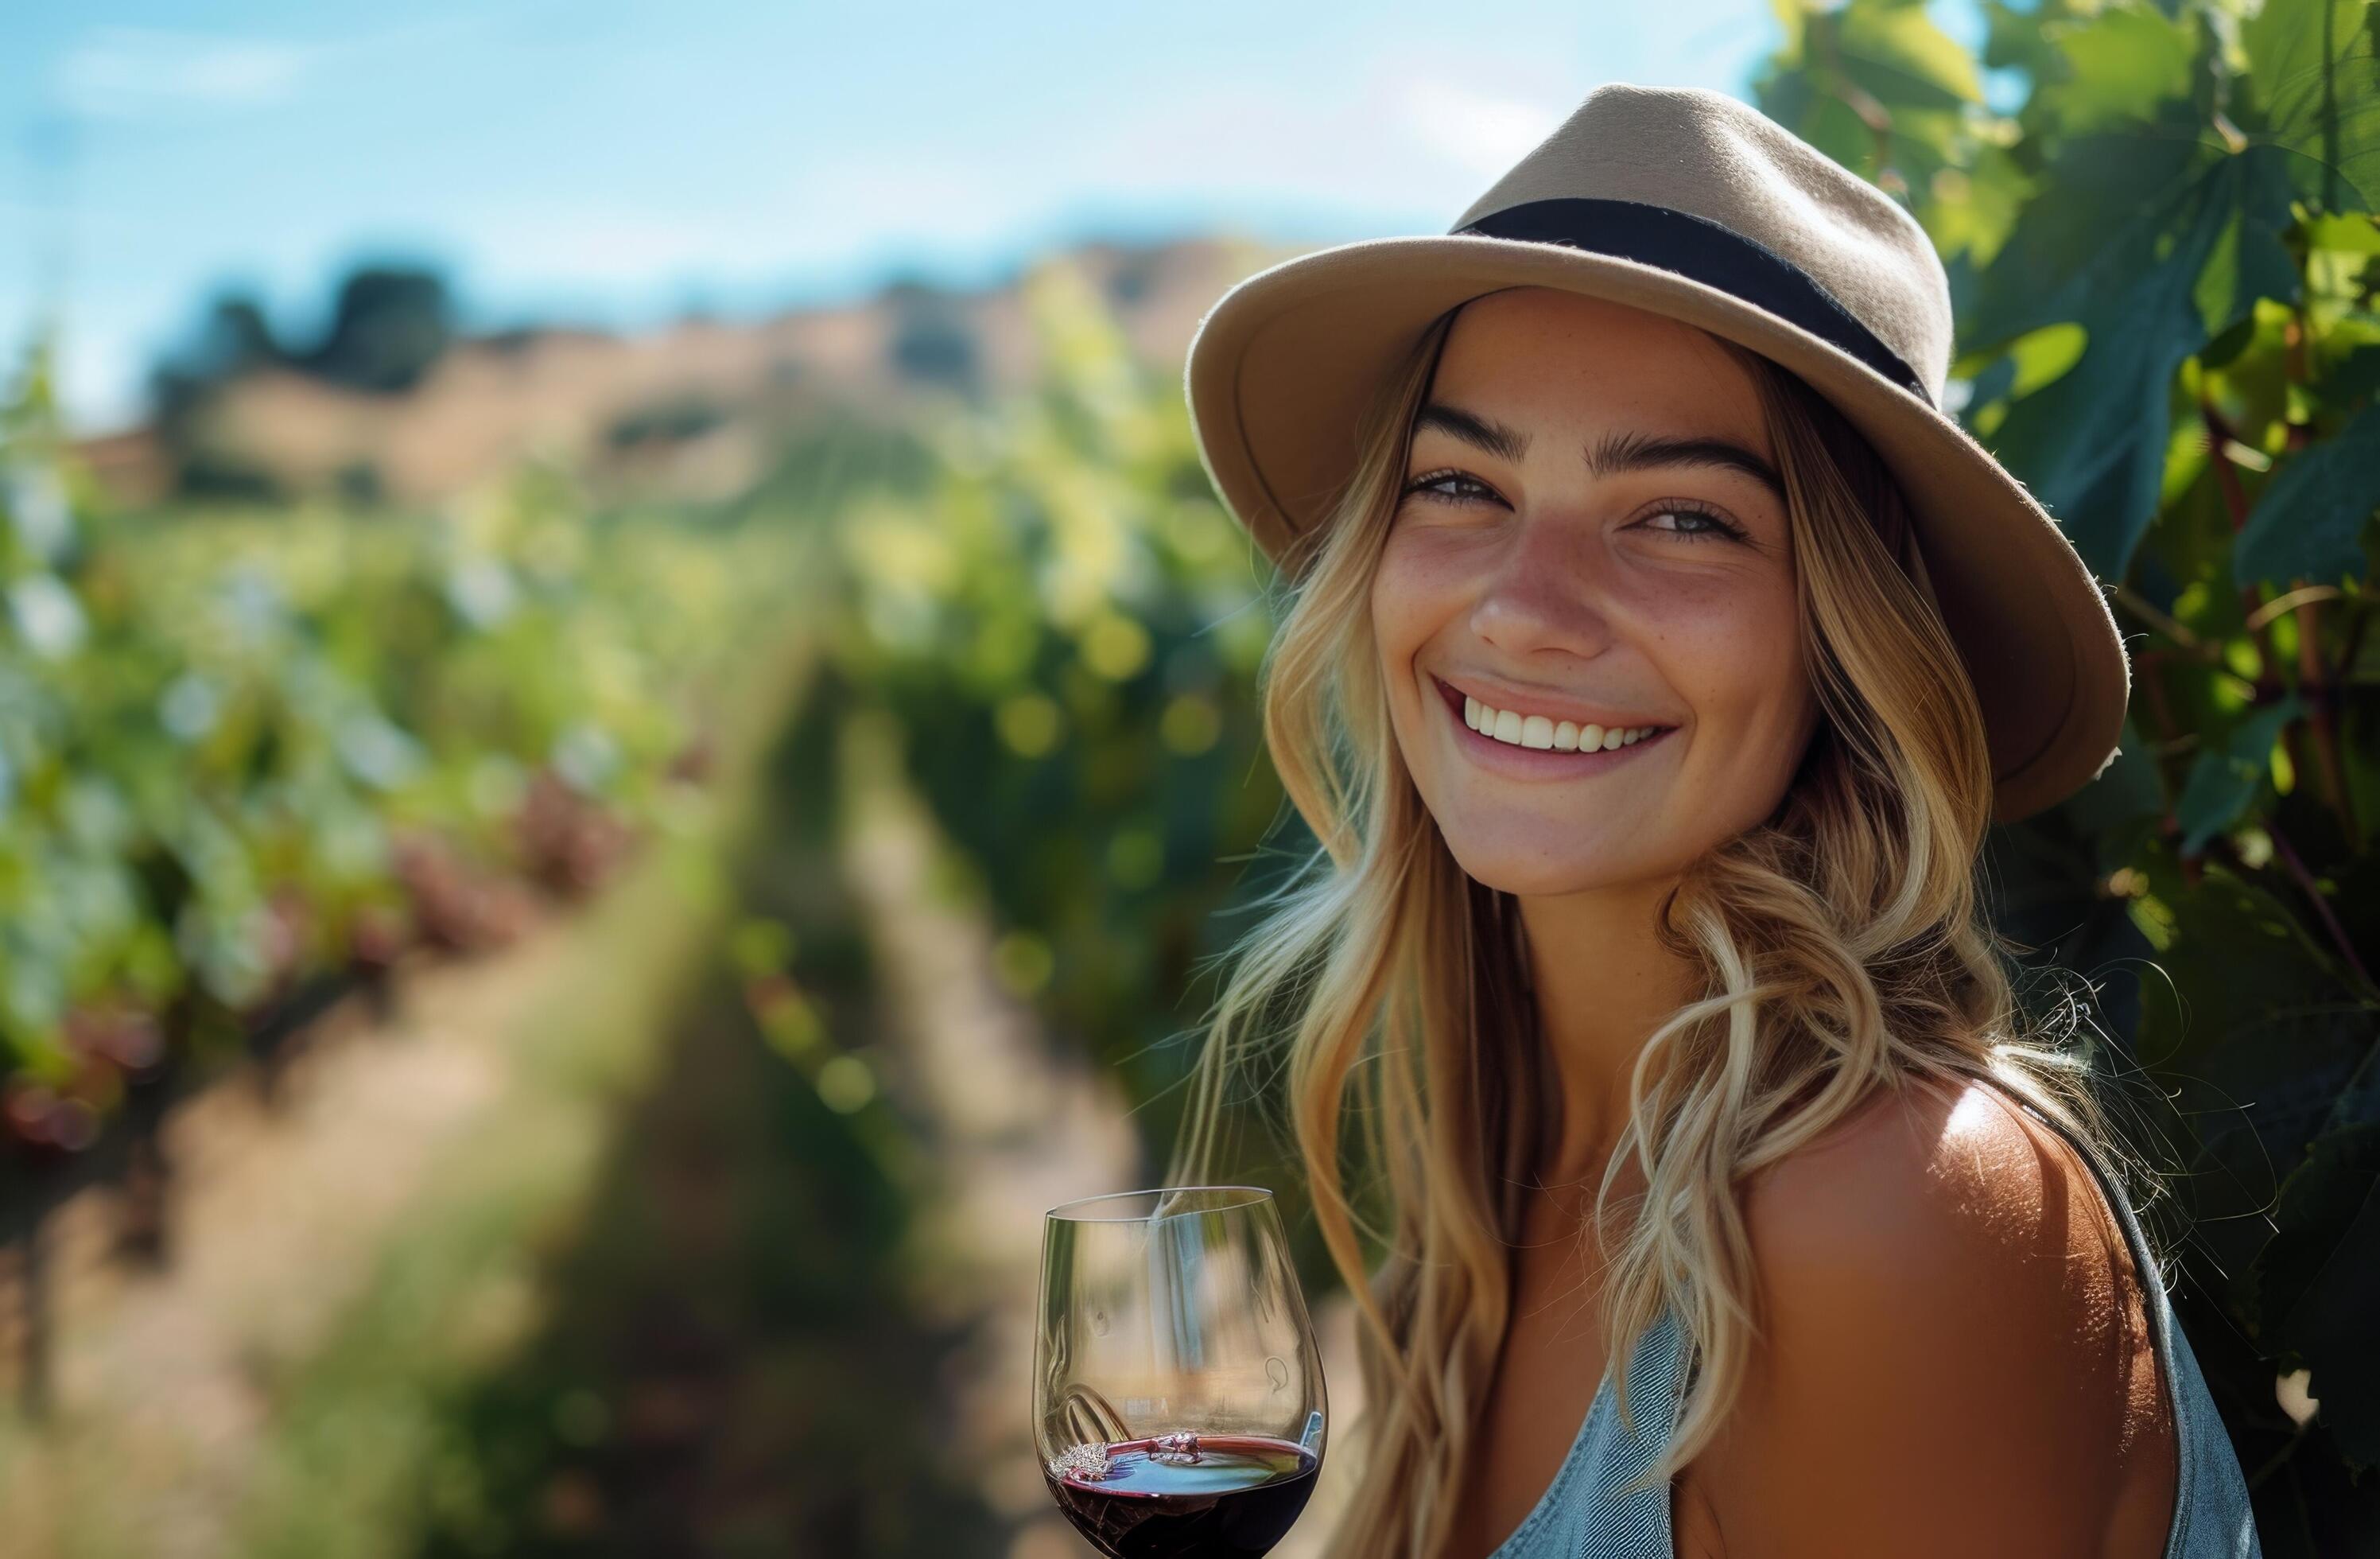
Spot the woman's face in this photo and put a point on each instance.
(1592, 534)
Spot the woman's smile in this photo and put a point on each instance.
(1545, 749)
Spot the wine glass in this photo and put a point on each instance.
(1177, 1394)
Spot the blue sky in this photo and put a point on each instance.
(613, 163)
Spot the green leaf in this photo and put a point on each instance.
(2350, 232)
(2124, 62)
(2330, 1328)
(2015, 40)
(2105, 206)
(1900, 55)
(2123, 793)
(2251, 260)
(2226, 780)
(2317, 1204)
(2043, 357)
(2315, 73)
(2091, 443)
(2356, 377)
(2317, 1277)
(2311, 517)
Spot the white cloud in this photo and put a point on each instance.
(149, 72)
(625, 248)
(1404, 129)
(135, 72)
(1481, 132)
(579, 245)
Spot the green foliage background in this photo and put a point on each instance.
(2159, 224)
(2164, 259)
(245, 748)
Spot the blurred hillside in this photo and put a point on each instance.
(687, 412)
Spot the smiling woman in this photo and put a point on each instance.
(1655, 659)
(1654, 588)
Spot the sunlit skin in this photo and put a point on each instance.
(1664, 595)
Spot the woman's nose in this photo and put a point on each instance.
(1548, 590)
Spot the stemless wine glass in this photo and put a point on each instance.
(1177, 1394)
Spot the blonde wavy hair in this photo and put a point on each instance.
(1841, 944)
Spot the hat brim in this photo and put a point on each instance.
(1282, 367)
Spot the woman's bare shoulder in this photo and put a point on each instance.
(1939, 1324)
(1957, 1175)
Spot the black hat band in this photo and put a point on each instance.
(1705, 251)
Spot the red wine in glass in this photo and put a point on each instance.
(1240, 1498)
(1178, 1395)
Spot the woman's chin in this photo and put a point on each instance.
(1519, 864)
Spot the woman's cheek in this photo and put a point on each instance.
(1409, 595)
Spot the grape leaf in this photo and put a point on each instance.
(2091, 443)
(2309, 520)
(2226, 779)
(2317, 78)
(2318, 1275)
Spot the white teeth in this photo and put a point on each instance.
(1538, 731)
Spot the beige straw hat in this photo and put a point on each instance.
(1689, 203)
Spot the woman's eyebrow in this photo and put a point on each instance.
(1611, 453)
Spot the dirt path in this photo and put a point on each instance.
(1021, 1129)
(278, 1213)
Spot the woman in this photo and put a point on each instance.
(1657, 656)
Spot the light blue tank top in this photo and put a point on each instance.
(1583, 1514)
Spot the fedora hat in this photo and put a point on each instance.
(1684, 201)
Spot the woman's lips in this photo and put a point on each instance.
(1535, 763)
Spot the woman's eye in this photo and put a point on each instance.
(1696, 524)
(1434, 487)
